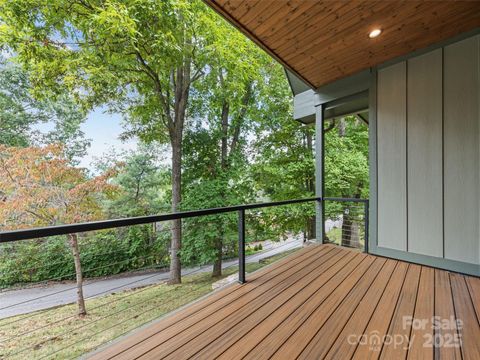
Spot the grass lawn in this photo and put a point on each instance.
(58, 333)
(335, 235)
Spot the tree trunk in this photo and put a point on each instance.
(342, 127)
(175, 266)
(73, 240)
(182, 87)
(217, 264)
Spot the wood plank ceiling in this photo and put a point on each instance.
(323, 41)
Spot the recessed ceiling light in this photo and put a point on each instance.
(374, 33)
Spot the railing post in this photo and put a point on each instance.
(320, 172)
(241, 246)
(367, 223)
(320, 219)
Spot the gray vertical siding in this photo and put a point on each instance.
(391, 144)
(424, 153)
(428, 157)
(462, 153)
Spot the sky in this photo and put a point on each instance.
(104, 131)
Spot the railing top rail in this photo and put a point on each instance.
(35, 233)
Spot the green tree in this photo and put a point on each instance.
(142, 181)
(226, 102)
(21, 113)
(346, 171)
(207, 239)
(137, 56)
(284, 158)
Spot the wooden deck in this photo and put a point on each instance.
(316, 304)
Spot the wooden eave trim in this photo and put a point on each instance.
(218, 9)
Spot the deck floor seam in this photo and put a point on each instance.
(280, 284)
(293, 332)
(285, 302)
(290, 298)
(373, 312)
(318, 251)
(345, 299)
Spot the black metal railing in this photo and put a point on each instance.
(36, 233)
(19, 320)
(356, 215)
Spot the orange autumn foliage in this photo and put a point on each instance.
(38, 187)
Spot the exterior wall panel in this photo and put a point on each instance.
(428, 158)
(424, 153)
(391, 143)
(462, 151)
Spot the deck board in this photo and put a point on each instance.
(444, 308)
(308, 304)
(464, 310)
(326, 335)
(397, 349)
(424, 309)
(265, 319)
(321, 343)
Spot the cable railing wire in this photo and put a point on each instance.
(190, 229)
(154, 266)
(61, 277)
(95, 321)
(89, 336)
(117, 324)
(89, 297)
(93, 308)
(101, 293)
(110, 290)
(64, 290)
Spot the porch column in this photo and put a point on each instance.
(319, 171)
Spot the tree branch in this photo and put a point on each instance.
(158, 86)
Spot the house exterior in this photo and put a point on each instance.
(417, 85)
(411, 71)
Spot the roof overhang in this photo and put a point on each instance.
(305, 103)
(324, 41)
(346, 96)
